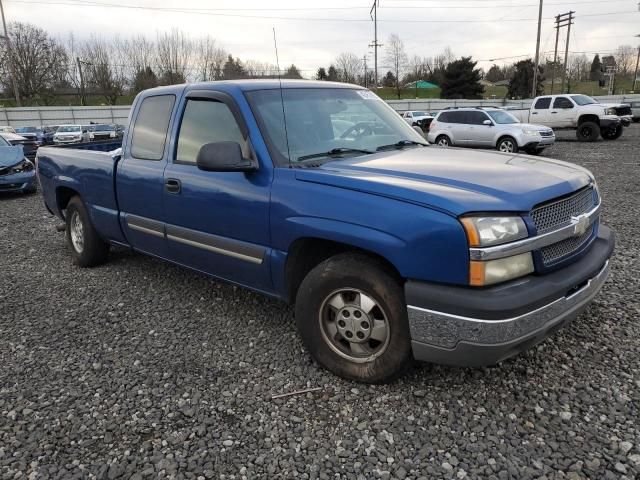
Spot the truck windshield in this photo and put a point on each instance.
(69, 128)
(583, 100)
(103, 128)
(349, 121)
(501, 117)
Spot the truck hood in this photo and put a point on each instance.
(454, 180)
(10, 156)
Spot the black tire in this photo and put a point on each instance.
(93, 250)
(351, 272)
(612, 134)
(588, 132)
(443, 141)
(507, 145)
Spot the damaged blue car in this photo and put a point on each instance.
(17, 173)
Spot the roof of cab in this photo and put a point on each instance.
(253, 84)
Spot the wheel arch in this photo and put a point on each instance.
(63, 195)
(589, 117)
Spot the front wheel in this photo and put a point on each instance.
(507, 145)
(612, 134)
(87, 248)
(351, 315)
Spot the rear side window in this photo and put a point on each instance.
(476, 118)
(150, 127)
(451, 117)
(205, 121)
(543, 103)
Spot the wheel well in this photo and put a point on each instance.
(588, 118)
(506, 136)
(443, 135)
(306, 253)
(63, 196)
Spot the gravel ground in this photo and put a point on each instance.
(140, 369)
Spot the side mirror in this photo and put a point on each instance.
(487, 122)
(223, 157)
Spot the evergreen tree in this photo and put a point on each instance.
(596, 67)
(522, 80)
(389, 80)
(494, 74)
(144, 79)
(321, 74)
(462, 80)
(233, 69)
(293, 72)
(332, 74)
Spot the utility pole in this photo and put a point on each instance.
(555, 54)
(611, 73)
(635, 75)
(82, 92)
(534, 89)
(364, 59)
(16, 92)
(373, 13)
(566, 50)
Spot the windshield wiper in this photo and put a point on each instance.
(334, 152)
(400, 144)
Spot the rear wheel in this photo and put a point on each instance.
(612, 134)
(443, 141)
(87, 248)
(588, 132)
(507, 145)
(351, 314)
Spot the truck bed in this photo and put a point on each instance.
(88, 171)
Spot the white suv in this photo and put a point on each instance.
(488, 127)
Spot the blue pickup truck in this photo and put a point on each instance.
(321, 195)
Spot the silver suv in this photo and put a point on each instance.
(488, 127)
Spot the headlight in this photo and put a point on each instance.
(529, 131)
(24, 166)
(611, 111)
(500, 270)
(487, 231)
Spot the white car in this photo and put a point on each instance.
(490, 128)
(7, 129)
(414, 117)
(69, 134)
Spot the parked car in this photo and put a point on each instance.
(390, 249)
(119, 130)
(32, 133)
(48, 132)
(70, 134)
(102, 131)
(17, 173)
(489, 128)
(7, 129)
(29, 145)
(418, 118)
(581, 113)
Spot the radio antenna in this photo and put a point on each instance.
(284, 116)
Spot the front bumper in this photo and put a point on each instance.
(626, 120)
(18, 182)
(610, 122)
(477, 327)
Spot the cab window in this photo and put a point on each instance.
(150, 128)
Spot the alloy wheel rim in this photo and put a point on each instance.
(354, 325)
(77, 232)
(506, 146)
(443, 142)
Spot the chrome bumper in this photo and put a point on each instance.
(447, 338)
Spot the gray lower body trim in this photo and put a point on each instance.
(145, 225)
(447, 332)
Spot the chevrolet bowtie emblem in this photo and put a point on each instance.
(580, 224)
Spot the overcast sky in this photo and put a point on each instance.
(311, 34)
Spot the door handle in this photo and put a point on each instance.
(172, 185)
(554, 112)
(534, 113)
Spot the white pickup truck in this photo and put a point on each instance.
(581, 113)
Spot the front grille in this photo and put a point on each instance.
(546, 133)
(623, 110)
(557, 251)
(558, 213)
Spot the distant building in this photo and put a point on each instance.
(422, 84)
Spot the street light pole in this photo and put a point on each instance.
(16, 92)
(534, 89)
(635, 75)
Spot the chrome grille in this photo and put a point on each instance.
(546, 133)
(557, 251)
(558, 213)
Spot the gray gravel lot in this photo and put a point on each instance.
(141, 369)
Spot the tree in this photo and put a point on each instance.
(103, 69)
(462, 80)
(397, 58)
(144, 79)
(522, 80)
(596, 69)
(332, 74)
(292, 72)
(233, 69)
(625, 56)
(174, 52)
(39, 61)
(349, 66)
(209, 59)
(389, 80)
(321, 74)
(494, 74)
